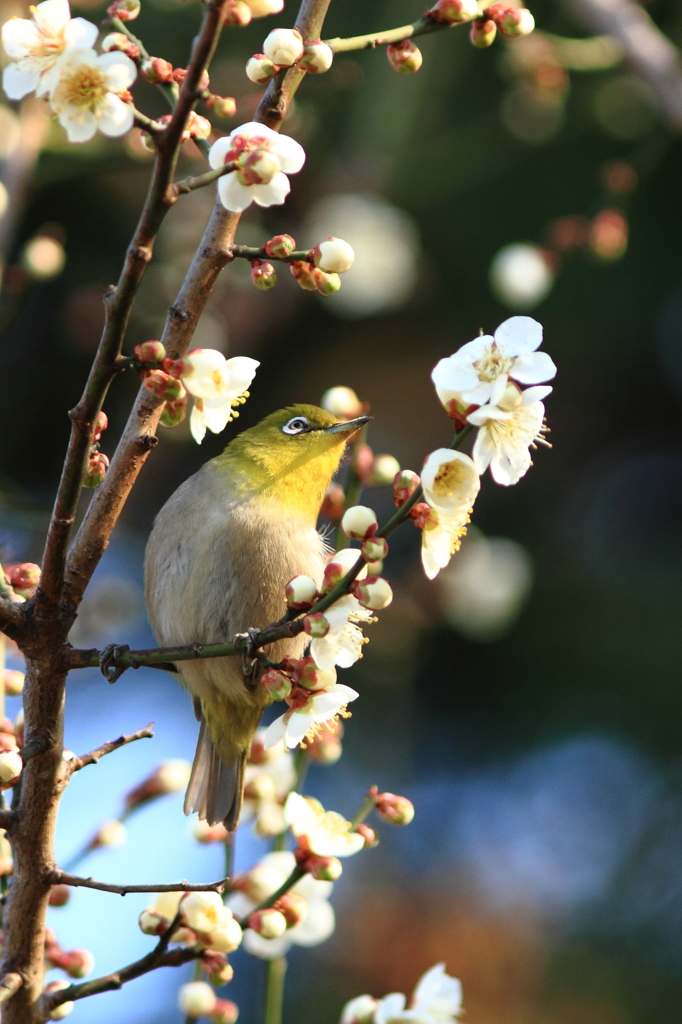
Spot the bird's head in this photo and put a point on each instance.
(290, 456)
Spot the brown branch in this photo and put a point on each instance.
(76, 763)
(186, 185)
(649, 52)
(10, 984)
(57, 877)
(251, 252)
(424, 26)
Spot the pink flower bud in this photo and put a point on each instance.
(284, 46)
(163, 385)
(300, 592)
(169, 777)
(326, 284)
(324, 869)
(383, 470)
(422, 515)
(198, 127)
(396, 809)
(59, 895)
(13, 682)
(293, 907)
(303, 272)
(482, 32)
(333, 574)
(257, 166)
(174, 413)
(218, 970)
(260, 69)
(77, 963)
(268, 923)
(101, 424)
(224, 1011)
(23, 577)
(196, 999)
(236, 13)
(224, 106)
(150, 352)
(280, 246)
(333, 255)
(374, 592)
(64, 1009)
(404, 57)
(316, 625)
(608, 238)
(11, 766)
(451, 12)
(276, 684)
(157, 70)
(369, 835)
(363, 457)
(333, 502)
(343, 403)
(96, 470)
(512, 21)
(124, 10)
(374, 549)
(359, 522)
(404, 486)
(317, 57)
(263, 275)
(152, 922)
(207, 834)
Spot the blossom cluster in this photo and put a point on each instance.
(437, 999)
(285, 48)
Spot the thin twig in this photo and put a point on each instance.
(295, 876)
(58, 877)
(9, 985)
(76, 763)
(251, 252)
(424, 26)
(189, 184)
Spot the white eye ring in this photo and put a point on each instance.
(296, 426)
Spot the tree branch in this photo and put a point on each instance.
(58, 877)
(76, 763)
(186, 185)
(250, 252)
(295, 876)
(9, 985)
(422, 27)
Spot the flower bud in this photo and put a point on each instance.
(383, 470)
(23, 577)
(169, 777)
(115, 41)
(303, 272)
(404, 486)
(224, 106)
(59, 895)
(196, 999)
(263, 275)
(124, 10)
(163, 385)
(96, 470)
(315, 679)
(316, 625)
(261, 787)
(374, 592)
(268, 923)
(608, 235)
(261, 8)
(157, 70)
(360, 1010)
(326, 284)
(226, 938)
(293, 907)
(236, 13)
(404, 57)
(11, 766)
(301, 592)
(174, 413)
(18, 725)
(260, 69)
(374, 549)
(324, 869)
(368, 834)
(333, 255)
(224, 1011)
(276, 684)
(219, 971)
(422, 515)
(482, 32)
(317, 57)
(257, 167)
(280, 246)
(333, 574)
(396, 809)
(13, 681)
(516, 21)
(198, 127)
(451, 12)
(359, 522)
(325, 747)
(64, 1009)
(152, 922)
(284, 46)
(207, 834)
(150, 352)
(333, 502)
(77, 963)
(100, 425)
(112, 833)
(342, 402)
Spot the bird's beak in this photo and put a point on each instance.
(349, 427)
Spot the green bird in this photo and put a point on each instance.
(221, 552)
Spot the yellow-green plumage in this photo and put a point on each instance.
(221, 551)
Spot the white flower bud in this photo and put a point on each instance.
(341, 402)
(517, 21)
(374, 593)
(115, 41)
(112, 833)
(300, 591)
(384, 470)
(153, 922)
(227, 938)
(172, 776)
(334, 256)
(317, 57)
(284, 46)
(64, 1009)
(197, 999)
(202, 910)
(261, 8)
(268, 923)
(11, 765)
(359, 522)
(260, 69)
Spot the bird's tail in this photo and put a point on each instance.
(215, 788)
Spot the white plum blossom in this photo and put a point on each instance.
(359, 1010)
(301, 722)
(479, 371)
(84, 95)
(437, 999)
(217, 384)
(328, 833)
(441, 537)
(263, 159)
(36, 45)
(450, 481)
(507, 432)
(319, 922)
(344, 641)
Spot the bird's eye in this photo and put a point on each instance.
(296, 426)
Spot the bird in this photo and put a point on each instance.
(218, 559)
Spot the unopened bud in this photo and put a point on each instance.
(482, 32)
(169, 777)
(268, 923)
(263, 275)
(374, 592)
(383, 470)
(174, 413)
(422, 515)
(196, 999)
(163, 385)
(324, 869)
(333, 502)
(451, 12)
(326, 284)
(260, 69)
(23, 577)
(342, 402)
(312, 678)
(219, 973)
(13, 681)
(258, 753)
(152, 922)
(374, 549)
(261, 787)
(115, 41)
(284, 46)
(224, 106)
(236, 13)
(150, 352)
(112, 833)
(404, 486)
(396, 809)
(368, 834)
(100, 425)
(300, 592)
(198, 127)
(276, 684)
(404, 57)
(257, 167)
(359, 522)
(280, 246)
(317, 57)
(333, 255)
(96, 470)
(316, 625)
(224, 1012)
(157, 70)
(59, 895)
(77, 963)
(515, 21)
(304, 272)
(64, 1009)
(11, 766)
(124, 10)
(333, 574)
(293, 907)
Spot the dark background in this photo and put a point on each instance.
(544, 861)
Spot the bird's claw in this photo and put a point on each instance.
(250, 652)
(108, 662)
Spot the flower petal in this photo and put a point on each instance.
(116, 117)
(274, 193)
(119, 70)
(242, 370)
(52, 15)
(79, 32)
(80, 125)
(218, 152)
(233, 195)
(290, 153)
(533, 367)
(532, 395)
(298, 725)
(519, 334)
(20, 38)
(318, 925)
(18, 83)
(274, 733)
(266, 949)
(197, 422)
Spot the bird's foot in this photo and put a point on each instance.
(250, 652)
(108, 662)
